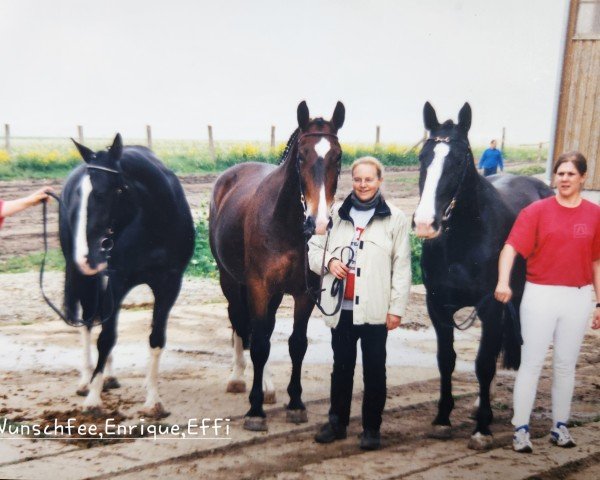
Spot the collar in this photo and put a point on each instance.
(381, 209)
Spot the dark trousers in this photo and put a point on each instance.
(372, 343)
(490, 171)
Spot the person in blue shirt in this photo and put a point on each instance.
(491, 160)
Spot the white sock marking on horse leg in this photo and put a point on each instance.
(425, 212)
(239, 361)
(152, 397)
(109, 366)
(93, 399)
(81, 245)
(86, 366)
(268, 385)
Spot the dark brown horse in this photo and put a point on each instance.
(260, 219)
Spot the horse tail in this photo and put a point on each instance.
(511, 337)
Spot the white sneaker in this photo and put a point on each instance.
(521, 442)
(561, 437)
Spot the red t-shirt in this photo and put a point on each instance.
(559, 243)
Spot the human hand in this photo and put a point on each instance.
(392, 321)
(596, 320)
(337, 268)
(38, 196)
(503, 293)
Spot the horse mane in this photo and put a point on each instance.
(289, 145)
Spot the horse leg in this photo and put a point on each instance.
(239, 317)
(86, 366)
(270, 397)
(446, 358)
(297, 343)
(165, 293)
(485, 368)
(260, 346)
(110, 382)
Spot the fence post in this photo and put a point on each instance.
(503, 137)
(149, 136)
(80, 133)
(211, 144)
(377, 135)
(539, 157)
(272, 136)
(7, 137)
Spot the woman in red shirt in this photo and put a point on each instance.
(560, 239)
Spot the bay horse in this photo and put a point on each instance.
(123, 221)
(464, 220)
(261, 217)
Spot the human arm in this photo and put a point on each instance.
(503, 292)
(401, 273)
(596, 269)
(11, 207)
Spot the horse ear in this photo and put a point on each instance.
(303, 117)
(339, 114)
(85, 152)
(429, 117)
(116, 149)
(464, 117)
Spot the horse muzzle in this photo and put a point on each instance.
(426, 230)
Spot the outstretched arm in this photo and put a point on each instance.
(11, 207)
(596, 321)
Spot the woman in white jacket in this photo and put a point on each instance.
(369, 251)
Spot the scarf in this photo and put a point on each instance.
(368, 205)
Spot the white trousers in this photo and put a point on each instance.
(550, 313)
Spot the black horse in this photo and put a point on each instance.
(124, 221)
(465, 220)
(260, 219)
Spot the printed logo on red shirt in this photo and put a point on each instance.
(580, 230)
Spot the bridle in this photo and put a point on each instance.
(450, 208)
(106, 245)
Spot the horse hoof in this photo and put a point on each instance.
(255, 424)
(157, 411)
(94, 411)
(270, 398)
(236, 386)
(296, 416)
(479, 441)
(110, 383)
(441, 432)
(82, 391)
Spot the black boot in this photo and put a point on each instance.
(370, 440)
(331, 432)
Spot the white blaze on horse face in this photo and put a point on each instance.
(81, 244)
(322, 148)
(425, 213)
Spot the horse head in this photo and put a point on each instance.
(100, 188)
(319, 160)
(444, 161)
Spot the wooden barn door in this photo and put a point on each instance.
(578, 123)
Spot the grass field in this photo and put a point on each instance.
(33, 158)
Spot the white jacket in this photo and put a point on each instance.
(383, 272)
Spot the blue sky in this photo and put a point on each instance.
(243, 66)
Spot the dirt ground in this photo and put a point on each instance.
(40, 357)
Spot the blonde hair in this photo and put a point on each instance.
(368, 161)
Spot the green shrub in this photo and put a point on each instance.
(416, 249)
